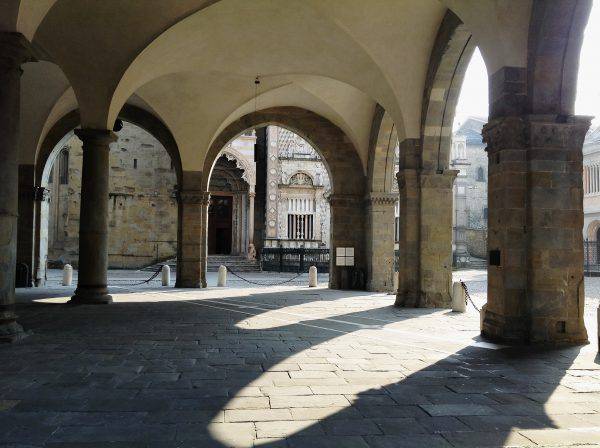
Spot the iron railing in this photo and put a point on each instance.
(591, 258)
(283, 259)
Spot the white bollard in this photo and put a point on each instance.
(312, 277)
(166, 275)
(458, 298)
(67, 275)
(222, 281)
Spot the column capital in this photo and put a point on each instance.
(251, 194)
(15, 50)
(344, 200)
(193, 197)
(539, 131)
(96, 137)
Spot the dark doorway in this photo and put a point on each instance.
(220, 225)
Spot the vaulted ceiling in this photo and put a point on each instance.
(192, 63)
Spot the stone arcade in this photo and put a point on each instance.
(384, 72)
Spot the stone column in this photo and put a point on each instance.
(251, 248)
(93, 218)
(535, 242)
(192, 234)
(26, 220)
(409, 291)
(14, 51)
(380, 241)
(40, 249)
(436, 238)
(347, 230)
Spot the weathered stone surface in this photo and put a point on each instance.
(536, 291)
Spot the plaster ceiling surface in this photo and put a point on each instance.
(193, 62)
(43, 83)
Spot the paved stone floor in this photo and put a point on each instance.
(284, 366)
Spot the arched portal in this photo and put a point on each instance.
(347, 196)
(142, 180)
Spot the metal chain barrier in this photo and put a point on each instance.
(265, 284)
(468, 296)
(148, 280)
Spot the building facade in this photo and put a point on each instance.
(470, 210)
(143, 202)
(591, 185)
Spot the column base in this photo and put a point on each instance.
(513, 330)
(11, 332)
(90, 295)
(408, 300)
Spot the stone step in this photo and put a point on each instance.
(233, 262)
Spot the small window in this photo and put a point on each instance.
(135, 164)
(485, 213)
(480, 174)
(63, 167)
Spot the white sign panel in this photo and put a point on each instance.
(344, 256)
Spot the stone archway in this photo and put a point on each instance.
(344, 168)
(52, 145)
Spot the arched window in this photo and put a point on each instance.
(480, 174)
(301, 179)
(63, 167)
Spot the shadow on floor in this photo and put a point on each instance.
(162, 373)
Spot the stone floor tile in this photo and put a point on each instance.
(390, 411)
(326, 442)
(288, 428)
(440, 410)
(407, 441)
(562, 436)
(352, 427)
(399, 426)
(308, 401)
(330, 412)
(475, 439)
(257, 415)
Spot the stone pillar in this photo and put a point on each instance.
(535, 242)
(251, 248)
(14, 51)
(347, 230)
(40, 249)
(409, 291)
(380, 241)
(192, 233)
(436, 238)
(93, 218)
(26, 219)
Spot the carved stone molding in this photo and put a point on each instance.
(386, 199)
(538, 131)
(233, 155)
(345, 200)
(193, 197)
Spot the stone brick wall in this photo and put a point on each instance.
(142, 207)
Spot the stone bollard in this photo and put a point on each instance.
(222, 281)
(67, 275)
(166, 275)
(458, 298)
(482, 316)
(312, 277)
